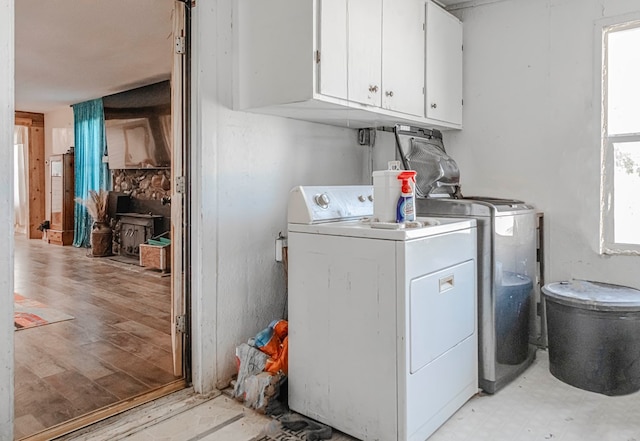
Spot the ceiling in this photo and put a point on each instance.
(70, 51)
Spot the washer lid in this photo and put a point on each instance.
(595, 296)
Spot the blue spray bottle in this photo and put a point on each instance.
(406, 203)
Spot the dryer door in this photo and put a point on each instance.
(442, 312)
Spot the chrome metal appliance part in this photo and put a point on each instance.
(437, 172)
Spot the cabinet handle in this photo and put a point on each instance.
(373, 88)
(389, 93)
(434, 105)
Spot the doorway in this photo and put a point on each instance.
(117, 350)
(20, 174)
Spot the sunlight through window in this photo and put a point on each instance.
(621, 142)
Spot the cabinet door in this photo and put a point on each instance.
(57, 192)
(365, 51)
(403, 46)
(332, 47)
(444, 65)
(69, 191)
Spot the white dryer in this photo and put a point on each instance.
(382, 322)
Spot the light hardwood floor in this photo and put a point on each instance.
(117, 346)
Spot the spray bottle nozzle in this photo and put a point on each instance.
(405, 177)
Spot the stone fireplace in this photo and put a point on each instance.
(143, 184)
(139, 207)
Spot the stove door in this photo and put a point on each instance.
(131, 237)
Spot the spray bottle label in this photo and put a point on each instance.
(405, 211)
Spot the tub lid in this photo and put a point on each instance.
(596, 296)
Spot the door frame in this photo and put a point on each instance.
(180, 194)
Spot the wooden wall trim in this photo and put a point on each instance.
(29, 119)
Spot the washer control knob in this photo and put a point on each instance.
(370, 197)
(362, 198)
(322, 200)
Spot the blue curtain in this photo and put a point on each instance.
(90, 172)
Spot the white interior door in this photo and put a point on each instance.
(177, 165)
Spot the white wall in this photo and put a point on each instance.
(6, 218)
(61, 122)
(244, 167)
(530, 123)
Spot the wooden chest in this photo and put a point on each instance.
(60, 237)
(155, 256)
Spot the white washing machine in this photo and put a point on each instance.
(382, 322)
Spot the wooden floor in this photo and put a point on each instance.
(117, 346)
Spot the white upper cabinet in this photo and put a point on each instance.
(403, 45)
(332, 66)
(353, 63)
(364, 51)
(444, 66)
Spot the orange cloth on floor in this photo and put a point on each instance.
(281, 361)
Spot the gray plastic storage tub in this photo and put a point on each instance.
(594, 335)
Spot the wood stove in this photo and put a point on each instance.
(135, 229)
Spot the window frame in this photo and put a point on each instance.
(608, 245)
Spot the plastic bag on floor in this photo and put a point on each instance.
(273, 341)
(261, 389)
(251, 362)
(263, 367)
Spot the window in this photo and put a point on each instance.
(620, 193)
